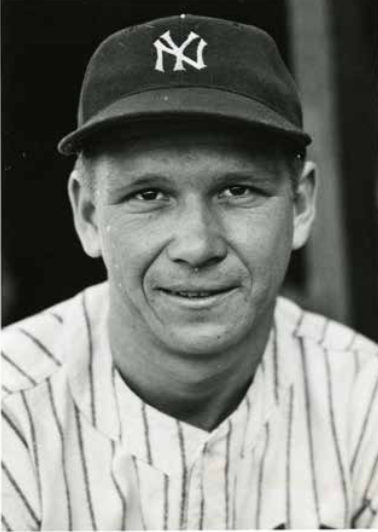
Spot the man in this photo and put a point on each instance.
(183, 393)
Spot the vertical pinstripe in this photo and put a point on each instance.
(324, 331)
(146, 434)
(63, 453)
(85, 469)
(202, 502)
(27, 504)
(90, 358)
(227, 475)
(309, 427)
(335, 438)
(166, 502)
(373, 514)
(34, 444)
(373, 473)
(118, 489)
(364, 424)
(40, 345)
(241, 454)
(15, 429)
(288, 458)
(261, 477)
(5, 523)
(275, 360)
(116, 401)
(299, 323)
(17, 367)
(357, 515)
(234, 500)
(253, 472)
(184, 475)
(135, 463)
(248, 410)
(202, 508)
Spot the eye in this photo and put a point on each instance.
(236, 191)
(151, 194)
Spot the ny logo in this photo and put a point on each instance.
(166, 44)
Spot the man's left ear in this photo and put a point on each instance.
(304, 205)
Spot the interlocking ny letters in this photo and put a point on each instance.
(165, 44)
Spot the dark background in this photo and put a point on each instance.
(46, 45)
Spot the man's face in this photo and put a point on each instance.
(196, 230)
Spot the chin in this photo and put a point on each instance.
(204, 340)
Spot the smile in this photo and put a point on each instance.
(196, 294)
(198, 299)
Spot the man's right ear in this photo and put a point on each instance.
(85, 215)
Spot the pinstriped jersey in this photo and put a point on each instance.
(81, 451)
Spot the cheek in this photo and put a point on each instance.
(129, 247)
(264, 241)
(114, 256)
(277, 250)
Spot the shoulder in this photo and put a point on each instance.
(336, 389)
(34, 349)
(333, 362)
(333, 355)
(325, 332)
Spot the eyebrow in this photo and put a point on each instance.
(258, 175)
(154, 179)
(149, 179)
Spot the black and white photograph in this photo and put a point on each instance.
(189, 264)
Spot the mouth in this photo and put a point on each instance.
(196, 294)
(198, 299)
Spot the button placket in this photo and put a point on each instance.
(195, 490)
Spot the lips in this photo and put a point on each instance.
(196, 294)
(190, 297)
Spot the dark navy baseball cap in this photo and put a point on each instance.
(187, 66)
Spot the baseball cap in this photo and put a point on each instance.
(187, 66)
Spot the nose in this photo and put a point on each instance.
(197, 239)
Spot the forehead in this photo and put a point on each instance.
(196, 143)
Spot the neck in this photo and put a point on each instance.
(200, 390)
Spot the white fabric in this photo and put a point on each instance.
(82, 451)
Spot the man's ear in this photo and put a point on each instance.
(85, 215)
(304, 205)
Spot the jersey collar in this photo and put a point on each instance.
(119, 414)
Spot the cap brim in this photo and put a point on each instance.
(180, 102)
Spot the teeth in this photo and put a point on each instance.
(193, 294)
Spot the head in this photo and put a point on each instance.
(196, 226)
(191, 181)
